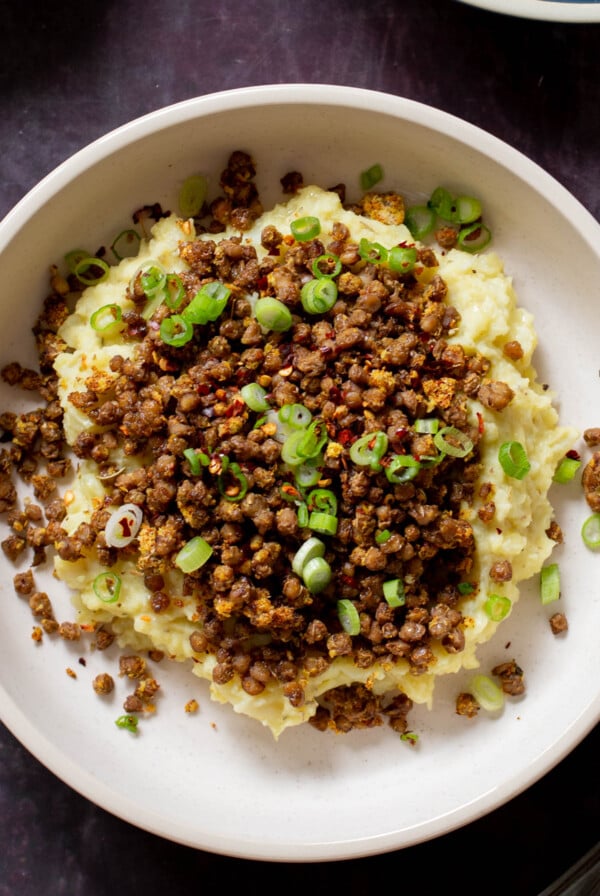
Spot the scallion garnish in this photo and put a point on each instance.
(550, 583)
(383, 536)
(402, 258)
(128, 722)
(174, 291)
(308, 473)
(474, 238)
(316, 574)
(452, 441)
(319, 296)
(255, 397)
(296, 416)
(126, 244)
(307, 228)
(196, 460)
(348, 616)
(513, 460)
(326, 266)
(487, 693)
(192, 195)
(323, 499)
(393, 591)
(465, 587)
(442, 203)
(106, 319)
(590, 531)
(323, 523)
(176, 330)
(233, 483)
(420, 220)
(373, 252)
(92, 265)
(426, 425)
(566, 469)
(368, 450)
(152, 278)
(273, 314)
(371, 176)
(123, 525)
(312, 547)
(402, 468)
(74, 257)
(208, 304)
(193, 554)
(107, 587)
(497, 607)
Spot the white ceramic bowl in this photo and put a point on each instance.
(217, 780)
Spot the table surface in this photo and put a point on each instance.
(72, 71)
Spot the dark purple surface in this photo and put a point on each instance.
(70, 72)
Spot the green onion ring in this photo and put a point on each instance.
(445, 438)
(192, 195)
(487, 693)
(402, 258)
(368, 450)
(474, 238)
(513, 460)
(497, 607)
(393, 591)
(566, 469)
(84, 264)
(240, 483)
(273, 314)
(420, 220)
(193, 554)
(255, 397)
(107, 587)
(348, 616)
(176, 330)
(590, 531)
(208, 304)
(373, 252)
(402, 468)
(550, 583)
(319, 296)
(307, 228)
(371, 176)
(330, 260)
(106, 318)
(123, 241)
(174, 291)
(311, 548)
(323, 523)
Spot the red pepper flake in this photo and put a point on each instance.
(234, 408)
(480, 423)
(573, 454)
(345, 436)
(290, 490)
(203, 389)
(262, 283)
(348, 580)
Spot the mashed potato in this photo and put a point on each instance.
(489, 319)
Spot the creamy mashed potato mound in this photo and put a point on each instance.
(490, 317)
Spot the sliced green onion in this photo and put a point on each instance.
(513, 460)
(452, 441)
(566, 469)
(302, 515)
(466, 587)
(312, 548)
(402, 468)
(393, 591)
(85, 264)
(128, 722)
(332, 264)
(126, 244)
(289, 450)
(316, 574)
(420, 220)
(233, 483)
(273, 314)
(373, 252)
(313, 440)
(307, 228)
(371, 176)
(383, 536)
(402, 258)
(487, 693)
(174, 291)
(497, 607)
(176, 330)
(474, 238)
(410, 737)
(590, 531)
(308, 473)
(196, 460)
(368, 450)
(192, 195)
(152, 278)
(442, 203)
(426, 425)
(255, 397)
(208, 304)
(295, 415)
(107, 587)
(193, 555)
(348, 616)
(323, 523)
(323, 499)
(466, 210)
(74, 257)
(550, 583)
(106, 318)
(319, 296)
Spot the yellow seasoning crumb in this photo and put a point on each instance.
(70, 672)
(37, 634)
(191, 706)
